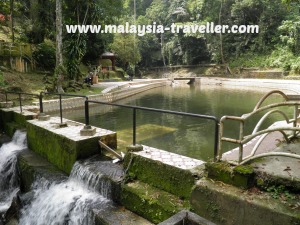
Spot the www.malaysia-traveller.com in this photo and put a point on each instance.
(154, 28)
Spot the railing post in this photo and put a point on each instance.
(134, 127)
(221, 131)
(60, 109)
(216, 140)
(87, 129)
(20, 100)
(41, 102)
(241, 147)
(296, 114)
(6, 97)
(87, 116)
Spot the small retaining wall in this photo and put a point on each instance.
(287, 86)
(77, 102)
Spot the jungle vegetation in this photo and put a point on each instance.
(38, 22)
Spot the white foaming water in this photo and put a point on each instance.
(8, 172)
(66, 203)
(93, 181)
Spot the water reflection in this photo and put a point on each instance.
(188, 136)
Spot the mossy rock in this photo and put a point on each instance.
(240, 176)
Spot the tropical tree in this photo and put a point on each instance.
(125, 47)
(83, 46)
(59, 71)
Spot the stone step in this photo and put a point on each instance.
(151, 203)
(118, 216)
(167, 171)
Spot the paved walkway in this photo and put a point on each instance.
(109, 85)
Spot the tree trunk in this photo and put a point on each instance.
(162, 48)
(12, 19)
(221, 35)
(59, 56)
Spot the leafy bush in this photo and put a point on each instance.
(2, 82)
(296, 66)
(44, 55)
(281, 58)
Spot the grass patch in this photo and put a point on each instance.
(88, 91)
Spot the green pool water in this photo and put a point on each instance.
(188, 136)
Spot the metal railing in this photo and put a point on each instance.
(136, 108)
(261, 134)
(134, 112)
(39, 96)
(60, 101)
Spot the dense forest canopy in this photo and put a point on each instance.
(276, 45)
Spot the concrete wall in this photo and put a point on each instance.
(62, 146)
(77, 102)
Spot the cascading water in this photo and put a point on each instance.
(8, 173)
(69, 202)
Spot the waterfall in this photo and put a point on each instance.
(69, 202)
(8, 172)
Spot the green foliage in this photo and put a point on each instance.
(289, 2)
(75, 50)
(2, 82)
(281, 58)
(289, 34)
(87, 47)
(126, 48)
(278, 21)
(44, 55)
(280, 192)
(249, 60)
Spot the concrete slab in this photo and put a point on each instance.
(118, 216)
(279, 170)
(169, 158)
(71, 131)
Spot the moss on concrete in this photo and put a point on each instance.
(228, 205)
(240, 176)
(10, 121)
(21, 118)
(5, 117)
(10, 128)
(57, 149)
(31, 166)
(151, 203)
(168, 178)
